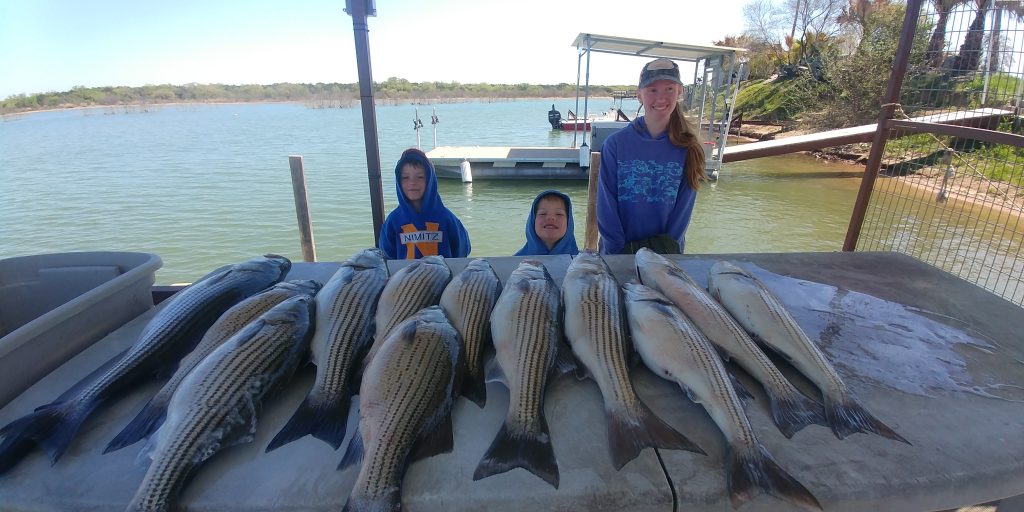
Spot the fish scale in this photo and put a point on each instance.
(217, 402)
(234, 319)
(526, 329)
(468, 301)
(791, 410)
(676, 350)
(407, 392)
(412, 288)
(595, 327)
(760, 312)
(170, 334)
(345, 310)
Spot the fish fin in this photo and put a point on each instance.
(494, 372)
(565, 362)
(354, 452)
(475, 389)
(531, 451)
(390, 502)
(750, 470)
(849, 417)
(12, 450)
(145, 423)
(52, 427)
(435, 442)
(628, 434)
(325, 420)
(741, 391)
(795, 411)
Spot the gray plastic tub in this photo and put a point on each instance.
(54, 305)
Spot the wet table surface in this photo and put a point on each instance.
(934, 357)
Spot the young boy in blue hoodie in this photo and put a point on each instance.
(421, 225)
(549, 227)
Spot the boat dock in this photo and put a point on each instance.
(852, 135)
(507, 162)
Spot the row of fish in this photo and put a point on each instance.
(410, 343)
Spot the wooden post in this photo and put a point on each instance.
(590, 243)
(302, 209)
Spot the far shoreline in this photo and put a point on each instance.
(353, 104)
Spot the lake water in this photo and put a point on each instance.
(207, 185)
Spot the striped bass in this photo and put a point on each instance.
(233, 320)
(411, 289)
(468, 301)
(527, 330)
(791, 410)
(595, 326)
(164, 340)
(405, 404)
(759, 311)
(345, 308)
(674, 349)
(216, 405)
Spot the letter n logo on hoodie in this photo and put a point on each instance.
(426, 240)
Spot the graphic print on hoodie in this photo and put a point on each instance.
(434, 230)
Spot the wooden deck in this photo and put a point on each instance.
(864, 133)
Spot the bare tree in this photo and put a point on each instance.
(761, 21)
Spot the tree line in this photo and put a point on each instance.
(319, 95)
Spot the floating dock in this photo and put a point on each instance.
(507, 162)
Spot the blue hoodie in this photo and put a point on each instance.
(643, 189)
(408, 234)
(534, 245)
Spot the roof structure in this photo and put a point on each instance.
(648, 48)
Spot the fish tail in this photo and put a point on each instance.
(324, 420)
(475, 389)
(145, 423)
(531, 451)
(354, 452)
(390, 502)
(51, 427)
(794, 411)
(847, 416)
(12, 450)
(629, 433)
(750, 470)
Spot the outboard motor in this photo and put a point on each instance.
(555, 118)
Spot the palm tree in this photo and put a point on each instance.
(969, 57)
(1007, 7)
(943, 8)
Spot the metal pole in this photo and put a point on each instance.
(359, 10)
(302, 209)
(586, 94)
(579, 62)
(892, 97)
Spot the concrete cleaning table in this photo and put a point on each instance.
(934, 357)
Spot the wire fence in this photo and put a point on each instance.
(950, 188)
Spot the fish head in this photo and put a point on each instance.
(367, 258)
(300, 286)
(296, 309)
(282, 264)
(726, 267)
(589, 261)
(636, 292)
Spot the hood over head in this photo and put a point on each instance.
(534, 245)
(431, 198)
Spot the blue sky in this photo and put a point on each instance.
(53, 45)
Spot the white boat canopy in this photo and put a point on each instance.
(647, 48)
